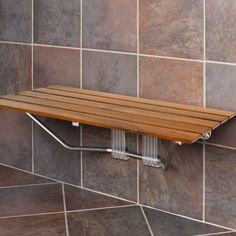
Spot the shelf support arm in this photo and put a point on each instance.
(158, 161)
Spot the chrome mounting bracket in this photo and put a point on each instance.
(150, 155)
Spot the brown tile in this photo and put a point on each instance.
(102, 172)
(50, 225)
(221, 30)
(120, 221)
(15, 64)
(16, 20)
(15, 150)
(13, 177)
(77, 199)
(56, 66)
(172, 28)
(110, 25)
(31, 200)
(220, 87)
(108, 72)
(170, 190)
(225, 234)
(15, 74)
(166, 224)
(57, 22)
(171, 80)
(53, 160)
(220, 186)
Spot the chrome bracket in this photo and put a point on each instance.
(151, 155)
(75, 124)
(150, 151)
(118, 144)
(206, 135)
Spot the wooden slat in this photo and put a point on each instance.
(145, 101)
(112, 114)
(169, 121)
(138, 112)
(163, 133)
(131, 104)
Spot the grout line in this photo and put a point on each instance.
(81, 158)
(171, 58)
(122, 52)
(15, 43)
(59, 181)
(204, 184)
(110, 51)
(64, 205)
(146, 220)
(157, 209)
(204, 105)
(221, 63)
(32, 81)
(29, 172)
(101, 208)
(56, 46)
(138, 88)
(187, 217)
(81, 87)
(138, 174)
(31, 215)
(219, 233)
(27, 185)
(105, 194)
(204, 53)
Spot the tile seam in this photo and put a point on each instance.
(218, 233)
(187, 217)
(122, 53)
(101, 208)
(64, 206)
(157, 209)
(28, 185)
(146, 220)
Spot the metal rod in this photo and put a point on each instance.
(72, 148)
(165, 163)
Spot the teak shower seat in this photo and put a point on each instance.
(178, 123)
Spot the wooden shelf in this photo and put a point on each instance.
(170, 121)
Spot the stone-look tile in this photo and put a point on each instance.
(16, 20)
(220, 89)
(31, 200)
(78, 199)
(223, 234)
(53, 160)
(15, 74)
(102, 172)
(13, 177)
(110, 25)
(221, 30)
(166, 224)
(15, 64)
(57, 22)
(56, 66)
(108, 72)
(220, 186)
(170, 190)
(119, 221)
(50, 225)
(172, 28)
(171, 80)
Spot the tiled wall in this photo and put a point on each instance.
(174, 50)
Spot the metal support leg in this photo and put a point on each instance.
(166, 163)
(71, 148)
(118, 150)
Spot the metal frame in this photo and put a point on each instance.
(116, 151)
